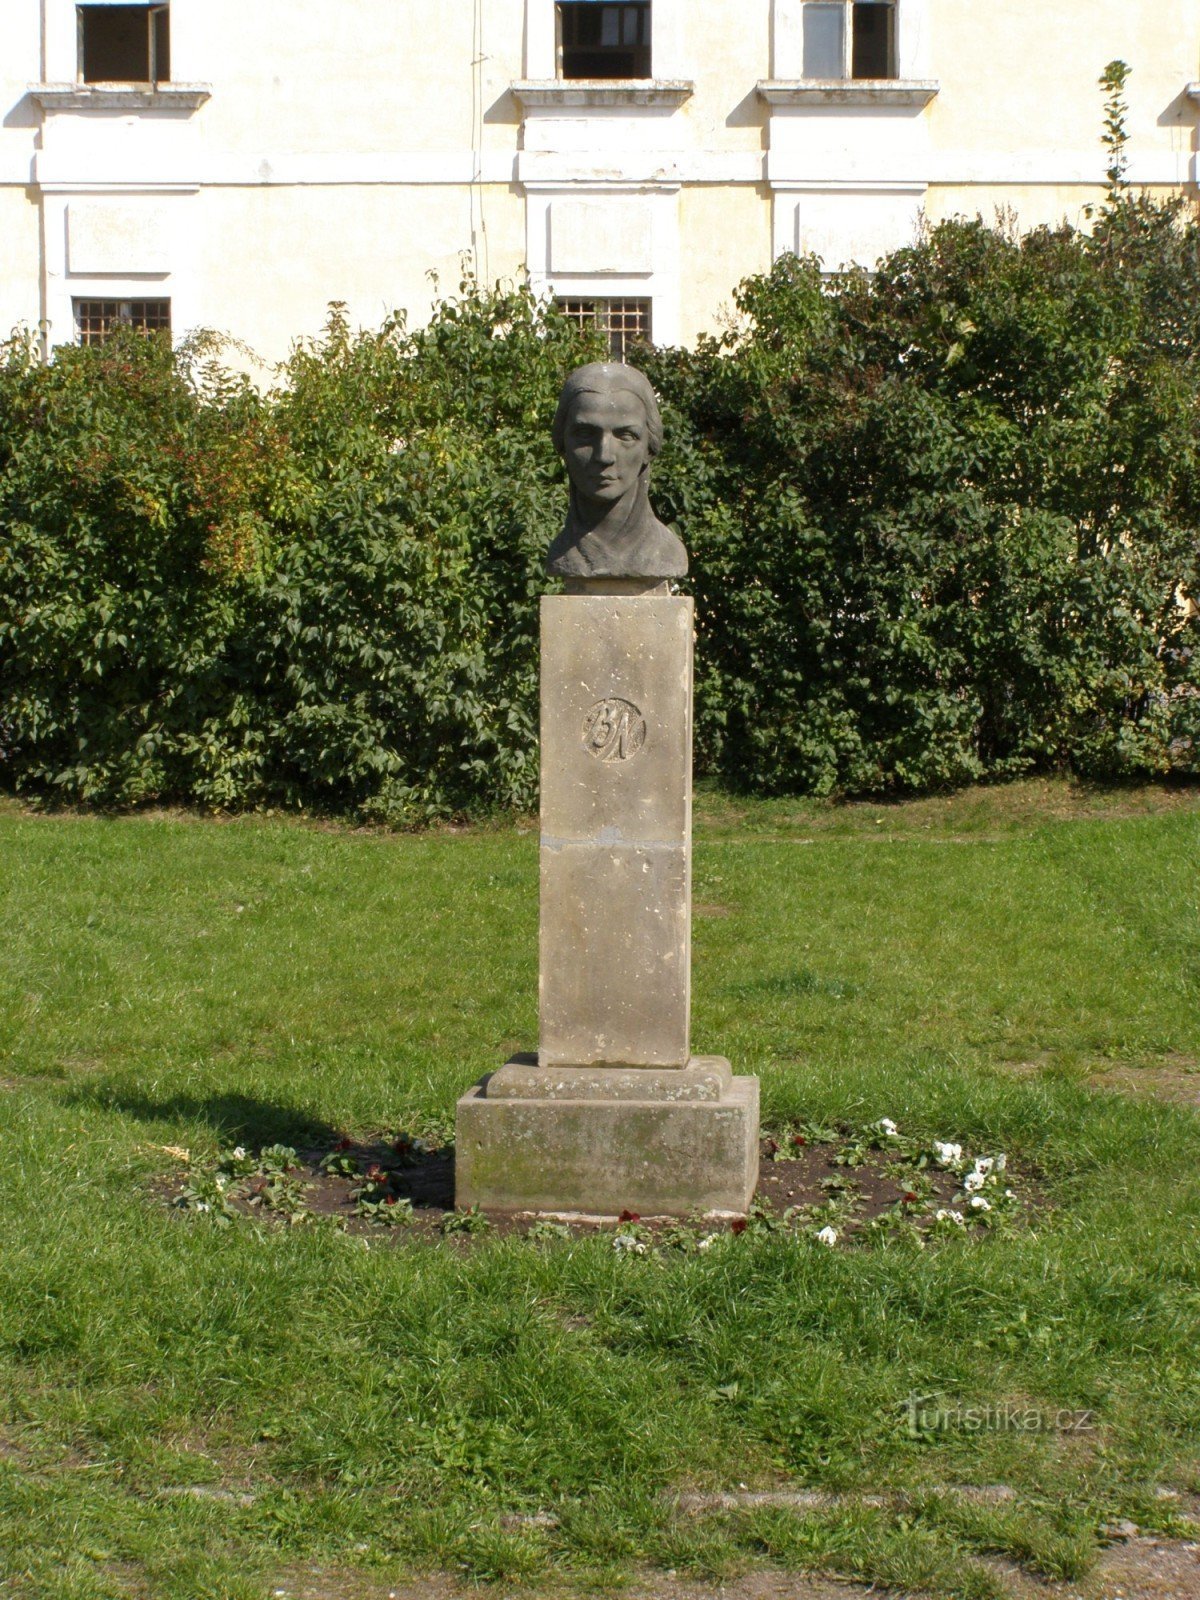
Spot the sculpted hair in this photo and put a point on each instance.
(603, 377)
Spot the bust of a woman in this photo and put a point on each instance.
(608, 430)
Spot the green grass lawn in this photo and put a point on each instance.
(977, 969)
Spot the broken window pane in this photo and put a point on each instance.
(600, 40)
(874, 37)
(823, 40)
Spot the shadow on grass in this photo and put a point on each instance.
(235, 1118)
(787, 985)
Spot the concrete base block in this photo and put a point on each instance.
(659, 1155)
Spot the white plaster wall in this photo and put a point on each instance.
(20, 64)
(345, 151)
(1019, 101)
(20, 287)
(724, 236)
(374, 248)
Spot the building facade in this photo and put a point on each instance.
(237, 164)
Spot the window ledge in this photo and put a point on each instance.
(120, 96)
(654, 92)
(916, 92)
(1193, 93)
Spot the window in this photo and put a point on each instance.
(626, 322)
(95, 319)
(850, 39)
(599, 40)
(124, 44)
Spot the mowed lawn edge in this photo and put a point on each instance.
(189, 1408)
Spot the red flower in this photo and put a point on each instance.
(909, 1196)
(772, 1147)
(798, 1138)
(342, 1144)
(629, 1216)
(738, 1225)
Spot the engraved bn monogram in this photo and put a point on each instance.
(613, 730)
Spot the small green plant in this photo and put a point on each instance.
(276, 1158)
(280, 1193)
(237, 1163)
(469, 1221)
(1116, 125)
(761, 1219)
(679, 1237)
(391, 1211)
(545, 1230)
(340, 1164)
(207, 1193)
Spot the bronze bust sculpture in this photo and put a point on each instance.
(608, 429)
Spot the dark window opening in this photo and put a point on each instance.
(874, 40)
(96, 319)
(623, 322)
(598, 40)
(849, 39)
(124, 44)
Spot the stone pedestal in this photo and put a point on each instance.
(614, 1112)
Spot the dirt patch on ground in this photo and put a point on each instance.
(650, 1586)
(393, 1187)
(1141, 1569)
(1175, 1078)
(1136, 1569)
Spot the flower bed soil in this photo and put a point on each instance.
(835, 1180)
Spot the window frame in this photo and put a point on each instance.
(645, 6)
(154, 9)
(123, 318)
(892, 7)
(594, 311)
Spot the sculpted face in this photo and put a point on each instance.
(607, 444)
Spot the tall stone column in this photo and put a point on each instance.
(613, 1112)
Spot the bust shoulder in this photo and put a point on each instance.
(653, 552)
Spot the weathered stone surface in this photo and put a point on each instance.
(704, 1078)
(616, 822)
(601, 1157)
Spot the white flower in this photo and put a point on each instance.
(239, 1153)
(624, 1241)
(1010, 1194)
(973, 1181)
(827, 1236)
(978, 1203)
(887, 1127)
(1001, 1162)
(984, 1165)
(951, 1216)
(947, 1155)
(707, 1242)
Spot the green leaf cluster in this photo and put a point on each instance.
(943, 521)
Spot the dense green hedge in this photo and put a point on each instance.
(943, 521)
